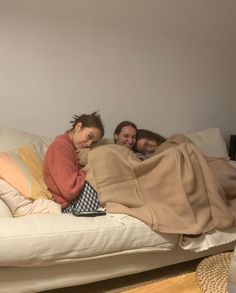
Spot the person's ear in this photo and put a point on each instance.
(115, 137)
(78, 126)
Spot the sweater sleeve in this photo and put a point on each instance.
(64, 170)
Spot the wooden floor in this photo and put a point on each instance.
(181, 284)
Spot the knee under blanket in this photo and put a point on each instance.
(175, 191)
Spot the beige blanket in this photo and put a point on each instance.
(175, 191)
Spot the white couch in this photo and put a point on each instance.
(51, 250)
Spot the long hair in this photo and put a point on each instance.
(144, 133)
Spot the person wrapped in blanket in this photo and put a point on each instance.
(147, 143)
(125, 134)
(143, 142)
(63, 172)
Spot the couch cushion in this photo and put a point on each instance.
(23, 169)
(208, 240)
(47, 239)
(210, 142)
(11, 138)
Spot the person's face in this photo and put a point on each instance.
(146, 146)
(126, 137)
(85, 137)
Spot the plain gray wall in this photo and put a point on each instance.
(167, 65)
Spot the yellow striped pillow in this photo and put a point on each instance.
(23, 169)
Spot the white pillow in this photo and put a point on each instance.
(210, 142)
(11, 138)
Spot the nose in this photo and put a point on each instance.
(87, 144)
(130, 140)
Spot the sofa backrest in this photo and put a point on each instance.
(210, 141)
(11, 139)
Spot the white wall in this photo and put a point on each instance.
(168, 65)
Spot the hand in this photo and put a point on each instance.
(82, 155)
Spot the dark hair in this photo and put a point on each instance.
(88, 120)
(144, 133)
(123, 124)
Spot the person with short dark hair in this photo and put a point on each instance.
(63, 172)
(125, 134)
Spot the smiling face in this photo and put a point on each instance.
(126, 137)
(85, 137)
(146, 146)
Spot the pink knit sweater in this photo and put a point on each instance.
(62, 172)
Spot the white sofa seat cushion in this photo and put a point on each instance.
(47, 239)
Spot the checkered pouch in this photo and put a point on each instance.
(86, 201)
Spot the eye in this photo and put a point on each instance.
(90, 136)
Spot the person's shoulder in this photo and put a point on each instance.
(60, 141)
(61, 137)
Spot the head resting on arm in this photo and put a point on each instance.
(86, 130)
(147, 141)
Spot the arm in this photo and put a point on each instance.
(62, 170)
(82, 156)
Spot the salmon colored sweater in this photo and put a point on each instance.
(63, 174)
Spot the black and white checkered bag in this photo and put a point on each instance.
(86, 201)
